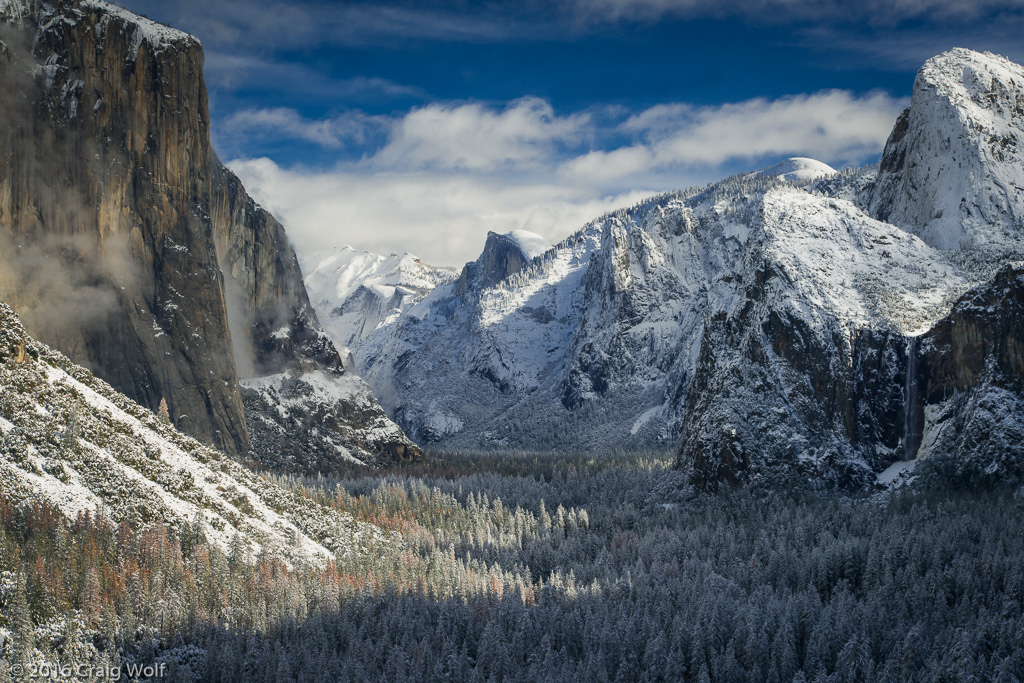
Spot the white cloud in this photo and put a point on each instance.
(354, 128)
(874, 12)
(832, 125)
(447, 174)
(441, 217)
(471, 136)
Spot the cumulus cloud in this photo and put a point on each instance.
(447, 173)
(472, 136)
(441, 217)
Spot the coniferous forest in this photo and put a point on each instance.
(518, 567)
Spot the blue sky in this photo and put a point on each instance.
(419, 126)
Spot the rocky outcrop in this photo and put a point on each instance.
(503, 256)
(104, 193)
(982, 336)
(953, 168)
(274, 326)
(970, 380)
(120, 221)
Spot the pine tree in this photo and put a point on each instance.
(163, 413)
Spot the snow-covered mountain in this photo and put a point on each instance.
(354, 292)
(68, 438)
(773, 323)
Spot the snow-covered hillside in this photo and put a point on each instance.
(313, 422)
(70, 439)
(769, 322)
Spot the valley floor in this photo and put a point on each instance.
(519, 567)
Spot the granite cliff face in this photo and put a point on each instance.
(853, 398)
(305, 412)
(804, 357)
(118, 220)
(277, 328)
(953, 169)
(104, 196)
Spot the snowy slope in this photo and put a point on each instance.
(470, 347)
(70, 439)
(586, 345)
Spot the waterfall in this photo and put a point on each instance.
(910, 443)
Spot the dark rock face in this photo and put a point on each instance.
(767, 387)
(501, 257)
(297, 424)
(982, 339)
(862, 402)
(104, 193)
(280, 328)
(971, 379)
(116, 222)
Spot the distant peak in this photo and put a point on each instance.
(968, 72)
(530, 243)
(798, 169)
(503, 255)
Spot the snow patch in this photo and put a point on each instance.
(894, 471)
(644, 418)
(156, 34)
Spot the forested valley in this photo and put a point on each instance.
(521, 567)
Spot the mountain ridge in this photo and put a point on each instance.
(767, 325)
